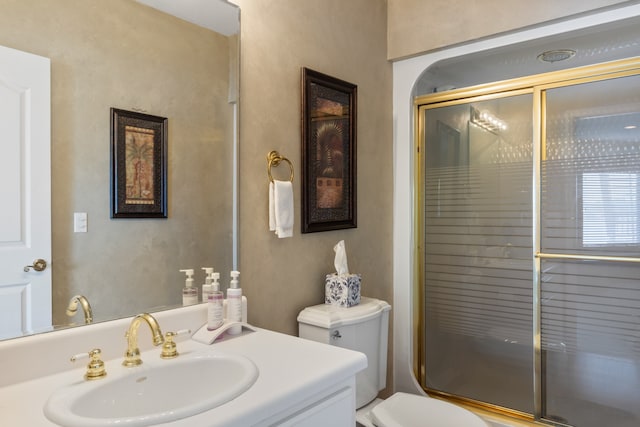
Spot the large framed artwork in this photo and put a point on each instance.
(328, 152)
(138, 165)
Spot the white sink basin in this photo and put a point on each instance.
(142, 396)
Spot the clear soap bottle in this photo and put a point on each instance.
(215, 305)
(206, 288)
(234, 304)
(189, 293)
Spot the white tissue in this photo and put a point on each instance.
(340, 261)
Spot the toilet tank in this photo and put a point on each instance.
(362, 328)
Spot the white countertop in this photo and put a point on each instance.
(291, 371)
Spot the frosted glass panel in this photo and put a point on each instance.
(591, 169)
(477, 251)
(590, 310)
(591, 342)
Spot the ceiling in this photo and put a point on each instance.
(606, 42)
(217, 15)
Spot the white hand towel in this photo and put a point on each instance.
(281, 208)
(272, 208)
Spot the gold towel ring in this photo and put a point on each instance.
(273, 159)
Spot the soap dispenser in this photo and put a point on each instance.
(234, 304)
(215, 306)
(189, 293)
(206, 288)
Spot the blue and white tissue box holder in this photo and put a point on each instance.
(342, 290)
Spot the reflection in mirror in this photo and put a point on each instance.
(128, 55)
(484, 140)
(80, 300)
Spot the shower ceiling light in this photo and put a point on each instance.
(487, 121)
(556, 55)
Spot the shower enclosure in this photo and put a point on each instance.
(528, 234)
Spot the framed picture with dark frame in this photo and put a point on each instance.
(138, 165)
(328, 152)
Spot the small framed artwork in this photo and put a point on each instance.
(328, 153)
(138, 165)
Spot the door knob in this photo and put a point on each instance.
(38, 265)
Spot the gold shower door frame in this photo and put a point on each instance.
(536, 85)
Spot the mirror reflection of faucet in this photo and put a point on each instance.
(72, 308)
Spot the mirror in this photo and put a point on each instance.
(125, 54)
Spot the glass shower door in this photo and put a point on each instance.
(477, 250)
(529, 246)
(590, 244)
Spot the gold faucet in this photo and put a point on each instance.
(72, 308)
(132, 356)
(169, 348)
(95, 367)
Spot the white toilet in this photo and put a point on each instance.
(364, 328)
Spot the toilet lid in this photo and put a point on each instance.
(411, 410)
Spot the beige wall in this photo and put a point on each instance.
(417, 26)
(124, 55)
(345, 40)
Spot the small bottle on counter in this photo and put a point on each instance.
(215, 307)
(234, 304)
(206, 288)
(189, 293)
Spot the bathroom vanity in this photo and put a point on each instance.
(298, 382)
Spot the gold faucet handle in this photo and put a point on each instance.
(95, 367)
(169, 348)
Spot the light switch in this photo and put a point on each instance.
(79, 222)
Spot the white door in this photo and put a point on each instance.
(25, 192)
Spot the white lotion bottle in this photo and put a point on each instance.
(189, 293)
(215, 305)
(206, 288)
(234, 304)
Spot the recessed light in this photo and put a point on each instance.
(556, 55)
(630, 127)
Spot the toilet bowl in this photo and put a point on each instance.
(411, 410)
(364, 328)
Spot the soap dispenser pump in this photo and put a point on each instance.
(234, 304)
(189, 293)
(206, 288)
